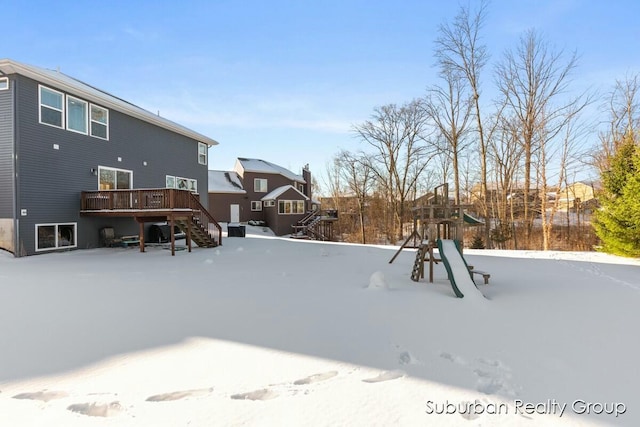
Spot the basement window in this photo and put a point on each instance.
(56, 236)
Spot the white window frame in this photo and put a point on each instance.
(56, 237)
(257, 185)
(202, 153)
(192, 184)
(269, 203)
(291, 204)
(41, 105)
(256, 206)
(86, 115)
(180, 180)
(91, 121)
(4, 83)
(116, 170)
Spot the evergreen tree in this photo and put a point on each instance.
(617, 222)
(477, 242)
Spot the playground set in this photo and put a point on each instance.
(439, 223)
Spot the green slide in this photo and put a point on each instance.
(456, 266)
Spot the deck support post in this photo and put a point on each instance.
(141, 237)
(173, 237)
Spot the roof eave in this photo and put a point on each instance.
(11, 67)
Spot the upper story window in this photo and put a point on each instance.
(4, 83)
(99, 122)
(51, 107)
(260, 185)
(76, 115)
(202, 153)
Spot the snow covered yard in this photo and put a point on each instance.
(274, 331)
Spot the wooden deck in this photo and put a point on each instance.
(177, 207)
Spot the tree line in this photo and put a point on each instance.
(511, 159)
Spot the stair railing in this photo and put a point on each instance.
(205, 219)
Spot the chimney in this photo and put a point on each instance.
(306, 175)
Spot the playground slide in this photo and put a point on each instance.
(461, 281)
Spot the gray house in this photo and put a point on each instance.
(76, 161)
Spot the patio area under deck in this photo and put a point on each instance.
(176, 207)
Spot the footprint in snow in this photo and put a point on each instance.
(44, 395)
(96, 409)
(263, 394)
(316, 378)
(385, 376)
(494, 377)
(406, 358)
(453, 358)
(177, 395)
(469, 414)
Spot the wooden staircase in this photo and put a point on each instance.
(309, 228)
(205, 230)
(199, 234)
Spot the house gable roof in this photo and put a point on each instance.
(262, 166)
(225, 182)
(68, 84)
(273, 195)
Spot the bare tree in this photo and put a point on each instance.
(562, 152)
(505, 154)
(357, 174)
(400, 154)
(450, 110)
(623, 108)
(335, 188)
(460, 49)
(531, 79)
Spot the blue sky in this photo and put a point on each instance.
(285, 81)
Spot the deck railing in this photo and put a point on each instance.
(140, 199)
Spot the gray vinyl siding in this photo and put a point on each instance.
(50, 180)
(7, 185)
(6, 152)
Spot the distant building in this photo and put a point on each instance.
(581, 195)
(261, 191)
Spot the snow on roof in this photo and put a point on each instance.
(280, 190)
(224, 182)
(262, 166)
(76, 87)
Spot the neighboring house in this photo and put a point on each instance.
(261, 191)
(581, 195)
(75, 160)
